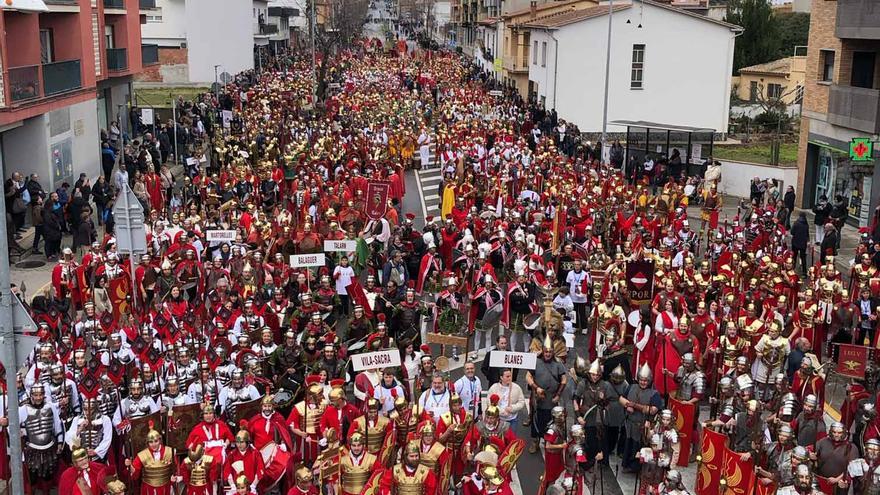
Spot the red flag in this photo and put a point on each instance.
(852, 360)
(377, 199)
(713, 219)
(712, 447)
(684, 425)
(118, 289)
(766, 489)
(740, 475)
(357, 294)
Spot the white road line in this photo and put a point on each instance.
(422, 197)
(433, 207)
(433, 178)
(430, 171)
(431, 197)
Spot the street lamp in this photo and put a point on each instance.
(607, 77)
(216, 83)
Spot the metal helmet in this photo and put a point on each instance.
(780, 378)
(618, 374)
(645, 372)
(811, 400)
(785, 429)
(558, 412)
(243, 436)
(667, 415)
(577, 432)
(673, 477)
(580, 366)
(742, 360)
(688, 358)
(800, 453)
(595, 368)
(725, 383)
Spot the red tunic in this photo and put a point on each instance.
(146, 489)
(553, 461)
(185, 472)
(215, 437)
(336, 419)
(252, 461)
(94, 474)
(272, 429)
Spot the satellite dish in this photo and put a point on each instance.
(225, 77)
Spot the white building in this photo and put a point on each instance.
(667, 65)
(194, 36)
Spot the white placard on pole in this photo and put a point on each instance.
(147, 117)
(376, 360)
(331, 246)
(227, 118)
(220, 235)
(696, 152)
(519, 360)
(307, 260)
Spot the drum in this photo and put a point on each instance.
(275, 461)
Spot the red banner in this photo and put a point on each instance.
(712, 447)
(356, 291)
(765, 489)
(118, 292)
(684, 425)
(740, 475)
(852, 360)
(377, 199)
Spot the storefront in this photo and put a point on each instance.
(830, 171)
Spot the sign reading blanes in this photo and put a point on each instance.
(519, 360)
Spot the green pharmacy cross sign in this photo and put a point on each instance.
(861, 150)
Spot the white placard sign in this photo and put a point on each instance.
(696, 152)
(520, 360)
(220, 235)
(340, 246)
(307, 260)
(376, 360)
(147, 117)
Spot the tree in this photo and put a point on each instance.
(760, 40)
(339, 25)
(794, 30)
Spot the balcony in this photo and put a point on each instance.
(149, 54)
(147, 4)
(514, 64)
(117, 59)
(268, 29)
(114, 4)
(858, 19)
(854, 108)
(60, 77)
(24, 83)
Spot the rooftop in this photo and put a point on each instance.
(780, 67)
(559, 19)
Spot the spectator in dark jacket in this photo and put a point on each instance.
(51, 230)
(822, 210)
(75, 209)
(101, 195)
(37, 220)
(800, 237)
(108, 160)
(85, 233)
(35, 189)
(829, 243)
(839, 214)
(789, 198)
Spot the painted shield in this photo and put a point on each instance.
(137, 435)
(180, 422)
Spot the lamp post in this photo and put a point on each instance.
(216, 83)
(607, 77)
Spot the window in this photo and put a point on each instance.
(827, 70)
(638, 67)
(155, 19)
(544, 54)
(774, 91)
(109, 38)
(47, 46)
(753, 91)
(535, 53)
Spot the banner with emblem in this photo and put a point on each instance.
(712, 447)
(852, 360)
(740, 475)
(377, 199)
(684, 425)
(118, 292)
(640, 281)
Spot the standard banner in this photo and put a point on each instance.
(852, 360)
(307, 260)
(519, 360)
(712, 447)
(377, 199)
(375, 360)
(343, 246)
(640, 281)
(220, 235)
(684, 424)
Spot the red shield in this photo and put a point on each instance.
(377, 199)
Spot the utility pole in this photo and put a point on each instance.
(216, 83)
(607, 77)
(174, 116)
(10, 362)
(313, 27)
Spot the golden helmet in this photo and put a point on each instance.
(153, 435)
(268, 399)
(242, 482)
(243, 436)
(79, 454)
(115, 487)
(427, 428)
(413, 447)
(356, 438)
(196, 452)
(303, 475)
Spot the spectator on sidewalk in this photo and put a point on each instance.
(52, 228)
(37, 220)
(16, 203)
(800, 238)
(822, 211)
(839, 214)
(165, 149)
(101, 195)
(789, 199)
(78, 205)
(85, 233)
(830, 242)
(121, 179)
(108, 160)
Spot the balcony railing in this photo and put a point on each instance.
(117, 59)
(854, 108)
(24, 83)
(149, 54)
(268, 29)
(114, 4)
(858, 19)
(147, 4)
(60, 77)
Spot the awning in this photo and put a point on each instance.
(24, 5)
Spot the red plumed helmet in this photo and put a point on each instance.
(494, 399)
(381, 317)
(425, 349)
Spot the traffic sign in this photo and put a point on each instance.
(131, 235)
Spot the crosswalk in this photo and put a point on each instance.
(429, 185)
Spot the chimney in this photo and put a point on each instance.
(533, 9)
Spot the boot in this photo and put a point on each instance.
(533, 448)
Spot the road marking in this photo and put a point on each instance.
(431, 197)
(433, 178)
